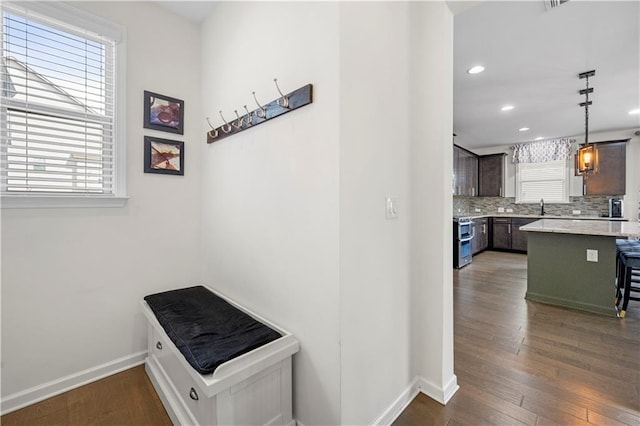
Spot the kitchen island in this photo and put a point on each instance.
(572, 263)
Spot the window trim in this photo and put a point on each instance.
(65, 14)
(62, 201)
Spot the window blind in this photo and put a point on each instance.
(57, 107)
(548, 180)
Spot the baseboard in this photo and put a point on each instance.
(396, 408)
(450, 389)
(47, 390)
(442, 395)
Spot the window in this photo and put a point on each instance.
(547, 180)
(60, 127)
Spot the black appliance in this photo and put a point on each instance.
(615, 207)
(462, 236)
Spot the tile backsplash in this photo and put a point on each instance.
(588, 205)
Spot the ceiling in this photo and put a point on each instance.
(195, 11)
(532, 57)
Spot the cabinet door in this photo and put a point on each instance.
(469, 173)
(518, 237)
(465, 172)
(502, 233)
(483, 241)
(475, 242)
(491, 175)
(610, 177)
(472, 175)
(462, 172)
(457, 169)
(481, 235)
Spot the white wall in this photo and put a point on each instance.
(374, 163)
(293, 210)
(270, 195)
(72, 279)
(431, 205)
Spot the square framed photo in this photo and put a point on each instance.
(163, 113)
(163, 156)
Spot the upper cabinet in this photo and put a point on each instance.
(610, 176)
(491, 175)
(465, 172)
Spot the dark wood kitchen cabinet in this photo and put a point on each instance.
(480, 240)
(518, 237)
(465, 172)
(491, 175)
(610, 177)
(501, 236)
(507, 234)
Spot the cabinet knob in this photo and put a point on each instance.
(193, 394)
(159, 345)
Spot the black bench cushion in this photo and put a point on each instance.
(205, 328)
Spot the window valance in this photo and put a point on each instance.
(542, 151)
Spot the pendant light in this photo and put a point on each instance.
(587, 156)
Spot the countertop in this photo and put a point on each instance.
(585, 227)
(533, 216)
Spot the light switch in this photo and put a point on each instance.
(391, 208)
(592, 255)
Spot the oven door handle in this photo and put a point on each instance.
(469, 238)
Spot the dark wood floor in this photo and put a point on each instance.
(521, 362)
(124, 399)
(517, 362)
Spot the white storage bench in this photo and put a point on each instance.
(251, 389)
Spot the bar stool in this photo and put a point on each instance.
(624, 245)
(629, 261)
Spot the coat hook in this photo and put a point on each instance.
(213, 129)
(249, 116)
(239, 122)
(285, 100)
(263, 110)
(228, 126)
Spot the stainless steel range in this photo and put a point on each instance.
(462, 236)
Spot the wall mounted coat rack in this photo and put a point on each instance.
(284, 104)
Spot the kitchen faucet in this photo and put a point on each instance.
(541, 206)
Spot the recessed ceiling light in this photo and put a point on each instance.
(476, 69)
(507, 108)
(634, 111)
(539, 138)
(523, 129)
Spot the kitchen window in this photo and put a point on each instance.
(61, 108)
(547, 180)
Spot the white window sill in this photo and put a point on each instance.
(59, 201)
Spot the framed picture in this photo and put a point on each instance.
(163, 113)
(163, 156)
